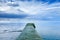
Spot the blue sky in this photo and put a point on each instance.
(34, 9)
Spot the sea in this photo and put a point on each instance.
(10, 29)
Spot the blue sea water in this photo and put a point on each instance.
(48, 30)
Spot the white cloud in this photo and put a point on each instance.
(4, 8)
(32, 8)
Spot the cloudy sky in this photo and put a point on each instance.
(31, 9)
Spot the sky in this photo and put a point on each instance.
(44, 13)
(31, 9)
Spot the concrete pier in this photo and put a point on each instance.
(29, 33)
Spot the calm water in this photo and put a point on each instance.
(48, 30)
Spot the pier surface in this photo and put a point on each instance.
(29, 33)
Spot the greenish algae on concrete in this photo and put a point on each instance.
(29, 33)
